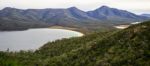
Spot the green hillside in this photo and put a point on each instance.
(128, 47)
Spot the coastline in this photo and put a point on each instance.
(81, 31)
(84, 32)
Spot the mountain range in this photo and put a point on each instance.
(13, 18)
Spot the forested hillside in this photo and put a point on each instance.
(128, 47)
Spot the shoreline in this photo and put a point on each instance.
(80, 34)
(84, 32)
(80, 30)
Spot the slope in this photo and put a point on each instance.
(128, 47)
(101, 18)
(114, 15)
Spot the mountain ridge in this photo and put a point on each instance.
(70, 17)
(106, 12)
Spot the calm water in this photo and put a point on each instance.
(32, 38)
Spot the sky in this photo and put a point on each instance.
(135, 6)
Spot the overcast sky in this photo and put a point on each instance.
(136, 6)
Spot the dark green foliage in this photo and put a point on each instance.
(128, 47)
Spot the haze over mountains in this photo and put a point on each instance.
(12, 18)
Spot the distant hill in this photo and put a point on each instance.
(128, 47)
(71, 17)
(106, 13)
(147, 15)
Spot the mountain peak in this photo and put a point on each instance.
(74, 8)
(7, 8)
(10, 8)
(104, 7)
